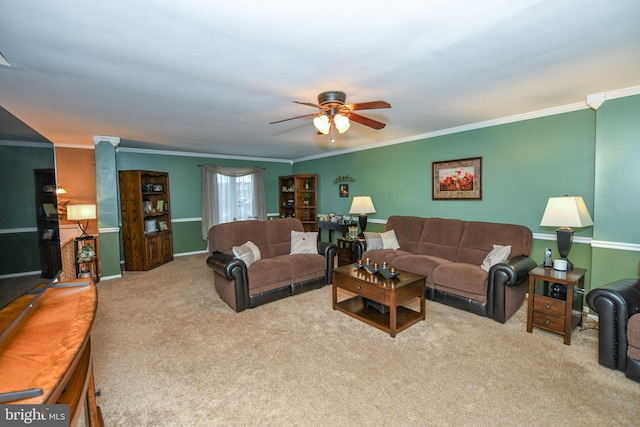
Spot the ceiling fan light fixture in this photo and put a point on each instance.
(322, 123)
(342, 122)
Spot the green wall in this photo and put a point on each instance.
(617, 188)
(18, 234)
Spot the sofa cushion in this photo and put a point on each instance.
(223, 237)
(304, 242)
(440, 238)
(386, 240)
(464, 278)
(268, 274)
(304, 267)
(479, 237)
(633, 337)
(380, 255)
(407, 230)
(497, 255)
(277, 233)
(249, 253)
(420, 264)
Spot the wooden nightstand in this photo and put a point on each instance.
(345, 251)
(551, 309)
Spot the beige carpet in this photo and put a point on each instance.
(169, 352)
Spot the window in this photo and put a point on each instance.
(230, 193)
(235, 198)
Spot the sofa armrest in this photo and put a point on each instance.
(358, 248)
(511, 273)
(232, 269)
(329, 251)
(614, 302)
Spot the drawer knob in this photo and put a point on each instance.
(358, 287)
(546, 322)
(548, 305)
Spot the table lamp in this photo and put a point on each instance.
(566, 212)
(81, 213)
(361, 206)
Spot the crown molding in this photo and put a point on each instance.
(206, 155)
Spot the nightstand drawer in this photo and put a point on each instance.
(548, 322)
(549, 305)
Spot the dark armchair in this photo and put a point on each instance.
(617, 305)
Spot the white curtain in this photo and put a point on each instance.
(226, 195)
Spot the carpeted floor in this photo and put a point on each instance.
(168, 351)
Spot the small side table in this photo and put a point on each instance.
(552, 310)
(345, 251)
(86, 264)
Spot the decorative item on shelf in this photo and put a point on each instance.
(353, 232)
(305, 201)
(163, 225)
(150, 226)
(307, 186)
(306, 216)
(361, 206)
(148, 206)
(565, 212)
(85, 253)
(148, 187)
(81, 212)
(158, 188)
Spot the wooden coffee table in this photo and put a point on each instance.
(390, 295)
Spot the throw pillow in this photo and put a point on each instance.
(497, 255)
(249, 253)
(386, 240)
(304, 242)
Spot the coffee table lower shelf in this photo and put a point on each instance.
(357, 307)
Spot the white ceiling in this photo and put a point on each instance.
(208, 77)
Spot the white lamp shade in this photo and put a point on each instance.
(81, 212)
(362, 205)
(342, 122)
(322, 124)
(566, 212)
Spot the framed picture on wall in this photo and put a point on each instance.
(343, 190)
(457, 179)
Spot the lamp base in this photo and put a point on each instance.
(564, 236)
(362, 220)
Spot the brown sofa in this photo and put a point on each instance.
(277, 274)
(450, 252)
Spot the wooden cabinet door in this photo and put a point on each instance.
(154, 251)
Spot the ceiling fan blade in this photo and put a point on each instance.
(369, 105)
(366, 121)
(310, 104)
(292, 118)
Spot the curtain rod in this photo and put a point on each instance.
(234, 166)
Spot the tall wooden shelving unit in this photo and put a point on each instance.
(299, 199)
(47, 222)
(145, 208)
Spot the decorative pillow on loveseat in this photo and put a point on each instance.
(386, 240)
(249, 253)
(304, 242)
(497, 255)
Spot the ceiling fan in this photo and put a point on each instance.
(333, 112)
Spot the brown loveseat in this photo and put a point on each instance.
(277, 274)
(450, 253)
